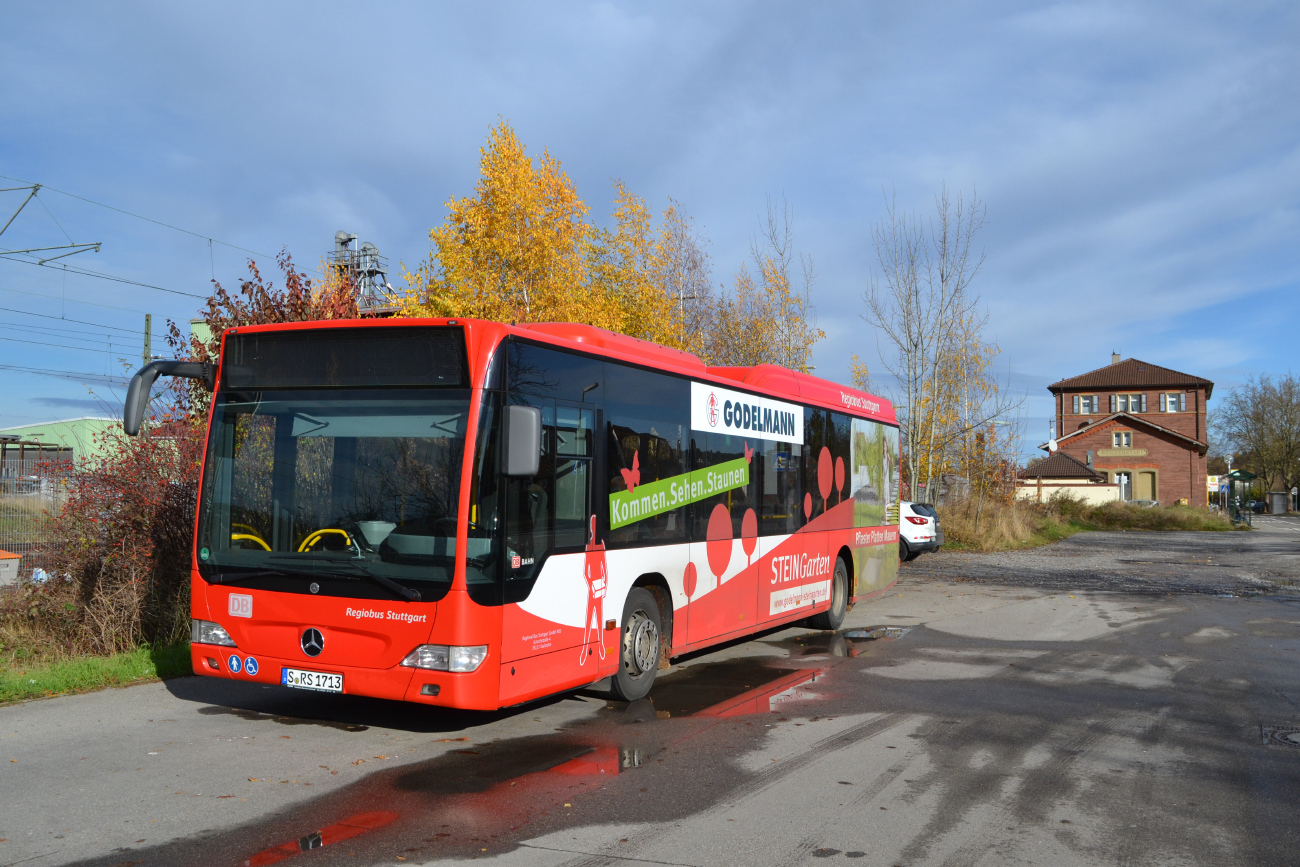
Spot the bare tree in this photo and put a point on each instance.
(682, 266)
(932, 323)
(1262, 417)
(770, 318)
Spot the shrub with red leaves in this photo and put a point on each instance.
(119, 555)
(120, 551)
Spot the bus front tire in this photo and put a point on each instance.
(833, 617)
(639, 646)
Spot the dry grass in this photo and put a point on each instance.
(998, 526)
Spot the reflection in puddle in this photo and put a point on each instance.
(877, 633)
(695, 688)
(482, 799)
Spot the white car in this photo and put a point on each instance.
(918, 530)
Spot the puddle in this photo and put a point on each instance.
(878, 633)
(480, 800)
(258, 716)
(696, 688)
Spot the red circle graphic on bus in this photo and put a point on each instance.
(839, 478)
(824, 470)
(713, 410)
(718, 537)
(688, 580)
(749, 532)
(807, 506)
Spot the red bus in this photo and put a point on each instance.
(469, 514)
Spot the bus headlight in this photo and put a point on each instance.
(440, 657)
(207, 632)
(468, 658)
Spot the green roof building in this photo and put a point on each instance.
(85, 436)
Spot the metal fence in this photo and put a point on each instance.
(34, 482)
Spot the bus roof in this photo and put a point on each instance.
(769, 378)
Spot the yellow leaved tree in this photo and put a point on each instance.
(522, 250)
(514, 251)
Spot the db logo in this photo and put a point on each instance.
(713, 410)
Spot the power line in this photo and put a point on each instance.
(146, 219)
(68, 333)
(76, 321)
(52, 217)
(57, 345)
(74, 301)
(67, 374)
(88, 273)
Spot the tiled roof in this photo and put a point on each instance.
(1132, 420)
(1060, 466)
(1131, 373)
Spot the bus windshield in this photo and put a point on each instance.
(343, 492)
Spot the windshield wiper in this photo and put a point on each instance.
(407, 593)
(231, 577)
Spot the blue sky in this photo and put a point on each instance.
(1140, 162)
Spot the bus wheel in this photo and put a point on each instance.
(832, 618)
(639, 651)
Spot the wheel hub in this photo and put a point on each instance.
(640, 644)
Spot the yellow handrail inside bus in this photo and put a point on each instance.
(318, 535)
(249, 537)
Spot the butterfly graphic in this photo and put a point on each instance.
(632, 477)
(749, 453)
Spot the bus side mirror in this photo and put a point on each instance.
(137, 393)
(523, 440)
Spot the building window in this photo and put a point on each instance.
(1085, 404)
(1173, 402)
(1128, 403)
(1122, 439)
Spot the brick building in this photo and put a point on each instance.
(1141, 425)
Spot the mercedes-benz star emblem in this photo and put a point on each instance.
(313, 642)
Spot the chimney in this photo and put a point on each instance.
(1114, 358)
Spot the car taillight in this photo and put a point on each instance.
(921, 521)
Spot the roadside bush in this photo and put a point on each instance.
(996, 525)
(119, 556)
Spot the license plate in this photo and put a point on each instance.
(317, 680)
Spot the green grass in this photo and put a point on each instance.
(89, 673)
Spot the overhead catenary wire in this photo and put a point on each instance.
(85, 272)
(65, 333)
(76, 321)
(59, 345)
(106, 379)
(208, 238)
(74, 301)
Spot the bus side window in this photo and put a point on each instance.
(646, 417)
(815, 439)
(780, 492)
(573, 452)
(711, 450)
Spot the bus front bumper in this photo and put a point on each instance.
(477, 690)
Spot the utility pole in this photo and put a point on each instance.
(147, 355)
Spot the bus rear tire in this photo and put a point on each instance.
(639, 646)
(833, 617)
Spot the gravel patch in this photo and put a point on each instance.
(1263, 561)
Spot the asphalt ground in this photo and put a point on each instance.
(993, 723)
